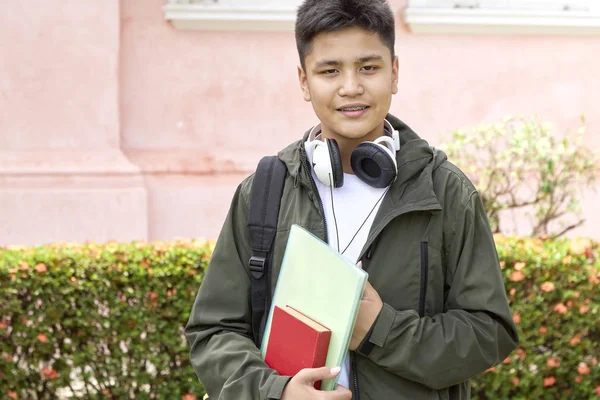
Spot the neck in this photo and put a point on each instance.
(347, 145)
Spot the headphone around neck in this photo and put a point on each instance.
(372, 162)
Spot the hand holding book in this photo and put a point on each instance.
(370, 307)
(301, 386)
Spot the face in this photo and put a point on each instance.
(350, 79)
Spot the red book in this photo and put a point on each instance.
(296, 342)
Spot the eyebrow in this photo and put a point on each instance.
(336, 63)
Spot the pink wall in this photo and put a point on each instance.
(63, 175)
(179, 118)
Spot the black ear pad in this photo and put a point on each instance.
(373, 165)
(336, 163)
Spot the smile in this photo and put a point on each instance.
(353, 111)
(353, 108)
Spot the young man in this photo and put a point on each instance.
(434, 312)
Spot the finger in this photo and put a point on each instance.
(311, 375)
(340, 393)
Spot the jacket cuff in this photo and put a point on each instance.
(379, 331)
(366, 346)
(276, 390)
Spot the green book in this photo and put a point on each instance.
(322, 284)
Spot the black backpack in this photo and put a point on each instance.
(265, 200)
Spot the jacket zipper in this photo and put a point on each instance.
(354, 370)
(371, 248)
(424, 277)
(315, 191)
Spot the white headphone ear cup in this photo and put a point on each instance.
(322, 163)
(387, 144)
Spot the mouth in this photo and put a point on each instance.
(353, 108)
(353, 111)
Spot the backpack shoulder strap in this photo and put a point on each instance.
(265, 200)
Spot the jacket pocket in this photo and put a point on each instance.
(424, 277)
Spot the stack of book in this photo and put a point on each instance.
(314, 308)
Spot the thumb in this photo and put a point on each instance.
(311, 375)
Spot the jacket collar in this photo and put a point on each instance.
(416, 160)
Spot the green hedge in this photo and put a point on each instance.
(107, 320)
(107, 317)
(552, 287)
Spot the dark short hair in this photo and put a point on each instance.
(316, 16)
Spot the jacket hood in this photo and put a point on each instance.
(416, 162)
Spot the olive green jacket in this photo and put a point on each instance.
(431, 257)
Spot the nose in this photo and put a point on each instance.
(351, 86)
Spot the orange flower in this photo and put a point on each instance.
(543, 330)
(583, 368)
(3, 323)
(49, 374)
(575, 340)
(502, 264)
(517, 318)
(507, 360)
(41, 267)
(597, 390)
(567, 260)
(513, 291)
(24, 265)
(594, 280)
(517, 276)
(520, 353)
(583, 309)
(520, 265)
(578, 378)
(560, 308)
(553, 362)
(548, 287)
(42, 338)
(13, 395)
(550, 381)
(515, 381)
(188, 397)
(493, 369)
(594, 361)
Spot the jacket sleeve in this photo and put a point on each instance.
(219, 332)
(475, 332)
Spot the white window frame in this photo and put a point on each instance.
(239, 15)
(551, 17)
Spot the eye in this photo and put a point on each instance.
(329, 71)
(369, 68)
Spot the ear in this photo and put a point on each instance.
(395, 75)
(303, 83)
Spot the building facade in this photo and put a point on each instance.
(136, 119)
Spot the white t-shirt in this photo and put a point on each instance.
(352, 204)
